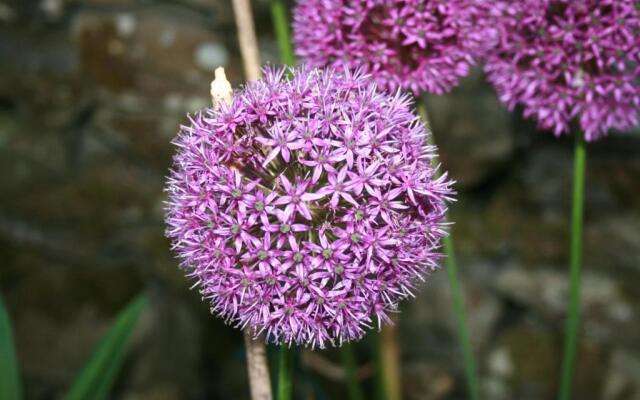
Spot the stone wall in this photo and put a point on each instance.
(92, 92)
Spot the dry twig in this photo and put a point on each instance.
(247, 39)
(258, 368)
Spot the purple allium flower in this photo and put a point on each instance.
(425, 45)
(565, 59)
(308, 207)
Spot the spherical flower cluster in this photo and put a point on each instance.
(565, 59)
(425, 45)
(308, 207)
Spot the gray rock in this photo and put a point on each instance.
(210, 55)
(546, 291)
(623, 381)
(426, 382)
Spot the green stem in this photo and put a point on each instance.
(10, 383)
(380, 389)
(285, 382)
(457, 298)
(461, 324)
(350, 366)
(577, 212)
(279, 16)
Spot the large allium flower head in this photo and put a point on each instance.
(307, 207)
(566, 59)
(420, 46)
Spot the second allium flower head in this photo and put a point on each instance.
(415, 45)
(308, 207)
(566, 59)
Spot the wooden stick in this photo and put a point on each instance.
(258, 368)
(247, 39)
(257, 365)
(259, 379)
(391, 361)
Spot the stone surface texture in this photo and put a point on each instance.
(92, 92)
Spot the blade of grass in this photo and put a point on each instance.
(464, 337)
(350, 365)
(281, 26)
(10, 386)
(577, 214)
(97, 377)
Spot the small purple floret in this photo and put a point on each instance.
(308, 207)
(566, 59)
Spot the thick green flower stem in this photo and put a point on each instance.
(351, 370)
(285, 373)
(379, 389)
(577, 212)
(464, 337)
(281, 26)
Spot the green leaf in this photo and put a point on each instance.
(99, 374)
(10, 388)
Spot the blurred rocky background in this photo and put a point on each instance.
(92, 92)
